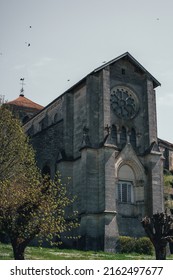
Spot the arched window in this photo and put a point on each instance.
(133, 138)
(123, 136)
(125, 191)
(114, 134)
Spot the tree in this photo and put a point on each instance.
(159, 229)
(30, 206)
(17, 159)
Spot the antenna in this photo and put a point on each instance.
(22, 89)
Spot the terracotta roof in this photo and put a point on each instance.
(22, 101)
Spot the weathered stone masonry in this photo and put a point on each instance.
(102, 133)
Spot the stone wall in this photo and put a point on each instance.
(80, 135)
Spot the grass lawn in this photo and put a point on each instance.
(39, 253)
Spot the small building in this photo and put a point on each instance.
(167, 150)
(23, 108)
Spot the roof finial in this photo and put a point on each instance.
(22, 89)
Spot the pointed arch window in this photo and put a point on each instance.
(114, 134)
(133, 138)
(123, 136)
(125, 186)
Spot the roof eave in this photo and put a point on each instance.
(156, 83)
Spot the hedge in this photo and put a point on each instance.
(127, 244)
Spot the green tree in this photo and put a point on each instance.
(168, 191)
(30, 206)
(17, 160)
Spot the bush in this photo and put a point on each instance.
(143, 246)
(127, 244)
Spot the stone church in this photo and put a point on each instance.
(102, 133)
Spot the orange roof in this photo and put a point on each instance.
(22, 101)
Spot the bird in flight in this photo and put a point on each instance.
(28, 44)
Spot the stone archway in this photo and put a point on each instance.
(130, 192)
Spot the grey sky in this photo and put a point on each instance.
(70, 38)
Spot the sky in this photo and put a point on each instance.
(53, 44)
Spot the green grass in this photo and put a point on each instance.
(39, 253)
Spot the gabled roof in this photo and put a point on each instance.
(165, 144)
(22, 101)
(126, 55)
(133, 61)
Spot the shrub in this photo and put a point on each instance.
(127, 244)
(143, 245)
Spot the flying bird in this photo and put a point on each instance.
(28, 44)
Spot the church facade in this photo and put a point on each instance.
(102, 133)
